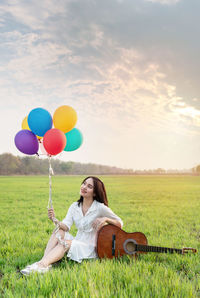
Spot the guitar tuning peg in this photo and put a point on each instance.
(187, 249)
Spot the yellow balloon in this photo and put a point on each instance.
(25, 126)
(25, 123)
(64, 118)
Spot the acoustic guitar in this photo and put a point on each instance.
(114, 242)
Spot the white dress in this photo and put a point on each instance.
(83, 245)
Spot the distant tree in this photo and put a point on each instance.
(198, 169)
(66, 167)
(9, 164)
(159, 171)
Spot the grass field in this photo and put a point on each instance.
(165, 209)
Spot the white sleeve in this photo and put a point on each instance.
(107, 212)
(68, 220)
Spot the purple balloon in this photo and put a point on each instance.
(26, 142)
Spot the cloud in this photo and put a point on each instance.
(82, 61)
(168, 2)
(187, 114)
(33, 14)
(127, 86)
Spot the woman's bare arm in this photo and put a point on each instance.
(113, 222)
(100, 221)
(51, 216)
(61, 225)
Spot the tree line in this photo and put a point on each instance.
(30, 165)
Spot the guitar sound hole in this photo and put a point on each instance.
(130, 246)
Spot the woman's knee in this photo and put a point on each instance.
(64, 245)
(61, 233)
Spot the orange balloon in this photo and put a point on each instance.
(64, 118)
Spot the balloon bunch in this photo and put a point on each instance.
(37, 132)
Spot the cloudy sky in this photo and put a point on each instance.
(130, 69)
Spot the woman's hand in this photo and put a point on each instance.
(51, 213)
(99, 222)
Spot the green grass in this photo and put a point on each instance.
(165, 209)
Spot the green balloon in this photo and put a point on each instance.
(74, 139)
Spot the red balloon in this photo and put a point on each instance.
(54, 141)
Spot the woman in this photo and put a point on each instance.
(89, 214)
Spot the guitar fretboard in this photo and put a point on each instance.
(148, 248)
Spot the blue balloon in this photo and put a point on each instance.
(40, 121)
(74, 139)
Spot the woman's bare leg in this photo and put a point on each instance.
(53, 241)
(54, 250)
(55, 254)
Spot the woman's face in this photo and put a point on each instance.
(87, 188)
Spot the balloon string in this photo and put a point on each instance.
(50, 204)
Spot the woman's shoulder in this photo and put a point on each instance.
(74, 204)
(101, 205)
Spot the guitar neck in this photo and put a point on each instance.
(148, 248)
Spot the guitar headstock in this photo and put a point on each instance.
(185, 250)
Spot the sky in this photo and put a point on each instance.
(130, 69)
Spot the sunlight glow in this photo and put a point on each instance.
(189, 111)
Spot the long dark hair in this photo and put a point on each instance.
(99, 191)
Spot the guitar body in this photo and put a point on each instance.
(114, 242)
